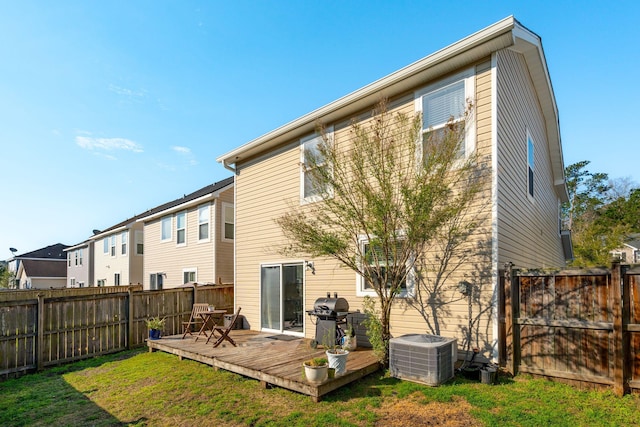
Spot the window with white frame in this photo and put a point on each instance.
(105, 245)
(80, 256)
(124, 239)
(228, 223)
(203, 222)
(374, 255)
(189, 275)
(72, 282)
(76, 256)
(165, 231)
(68, 259)
(181, 228)
(113, 245)
(102, 282)
(139, 241)
(155, 281)
(444, 104)
(530, 163)
(116, 279)
(310, 191)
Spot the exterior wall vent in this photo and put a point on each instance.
(423, 358)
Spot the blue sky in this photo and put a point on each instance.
(110, 108)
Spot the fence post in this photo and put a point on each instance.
(40, 334)
(131, 316)
(511, 329)
(615, 296)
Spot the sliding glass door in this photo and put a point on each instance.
(281, 292)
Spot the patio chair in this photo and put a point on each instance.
(194, 319)
(224, 331)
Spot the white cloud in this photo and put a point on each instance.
(108, 144)
(126, 92)
(182, 150)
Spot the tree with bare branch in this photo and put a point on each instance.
(387, 192)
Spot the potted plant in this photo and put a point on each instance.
(336, 355)
(349, 341)
(155, 325)
(315, 370)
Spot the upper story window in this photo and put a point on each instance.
(228, 224)
(530, 163)
(443, 105)
(76, 256)
(310, 189)
(68, 259)
(181, 228)
(113, 245)
(105, 245)
(139, 242)
(165, 228)
(374, 255)
(80, 256)
(203, 222)
(124, 237)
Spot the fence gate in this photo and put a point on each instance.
(581, 326)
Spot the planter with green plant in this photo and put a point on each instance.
(336, 355)
(155, 325)
(315, 370)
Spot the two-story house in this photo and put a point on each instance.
(43, 268)
(80, 265)
(190, 239)
(515, 134)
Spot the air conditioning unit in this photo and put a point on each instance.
(423, 358)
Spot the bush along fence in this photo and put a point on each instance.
(52, 327)
(577, 326)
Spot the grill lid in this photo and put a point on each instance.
(331, 305)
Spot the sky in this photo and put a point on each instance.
(111, 108)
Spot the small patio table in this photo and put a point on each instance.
(210, 319)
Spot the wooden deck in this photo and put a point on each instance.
(269, 360)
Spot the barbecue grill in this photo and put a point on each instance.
(330, 314)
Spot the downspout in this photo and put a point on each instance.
(226, 166)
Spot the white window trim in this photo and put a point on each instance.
(223, 206)
(157, 274)
(138, 238)
(531, 197)
(105, 245)
(362, 292)
(316, 198)
(468, 76)
(190, 270)
(80, 251)
(162, 220)
(113, 246)
(119, 278)
(208, 238)
(185, 228)
(124, 243)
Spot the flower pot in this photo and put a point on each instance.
(338, 360)
(154, 334)
(316, 374)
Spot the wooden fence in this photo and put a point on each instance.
(53, 327)
(580, 326)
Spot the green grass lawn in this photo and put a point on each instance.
(139, 388)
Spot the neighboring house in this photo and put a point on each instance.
(42, 269)
(190, 239)
(118, 254)
(630, 250)
(516, 135)
(80, 264)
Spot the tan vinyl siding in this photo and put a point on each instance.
(266, 185)
(172, 259)
(527, 229)
(224, 248)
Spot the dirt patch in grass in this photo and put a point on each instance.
(414, 411)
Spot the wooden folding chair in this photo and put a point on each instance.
(194, 319)
(224, 331)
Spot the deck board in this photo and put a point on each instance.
(268, 360)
